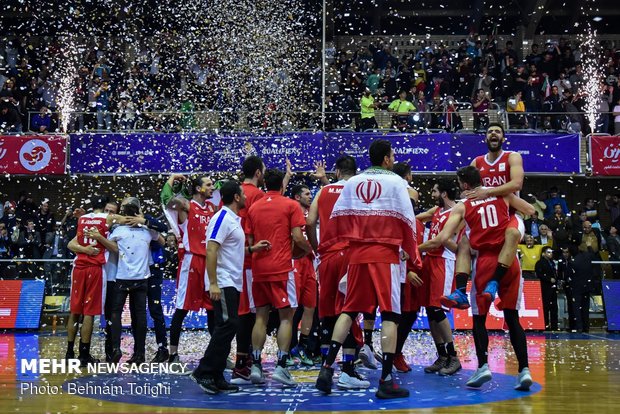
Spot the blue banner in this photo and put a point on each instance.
(542, 153)
(151, 153)
(611, 297)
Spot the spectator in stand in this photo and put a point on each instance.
(561, 227)
(533, 105)
(577, 79)
(547, 273)
(616, 115)
(516, 110)
(437, 120)
(591, 211)
(539, 206)
(553, 105)
(550, 63)
(554, 198)
(480, 104)
(42, 121)
(484, 82)
(612, 204)
(604, 107)
(126, 113)
(422, 105)
(532, 225)
(44, 219)
(573, 105)
(374, 81)
(529, 254)
(545, 238)
(589, 239)
(102, 95)
(29, 247)
(55, 247)
(10, 121)
(368, 106)
(401, 110)
(562, 83)
(534, 58)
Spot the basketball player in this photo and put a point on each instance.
(87, 278)
(332, 267)
(305, 282)
(278, 220)
(438, 278)
(375, 215)
(502, 174)
(192, 219)
(487, 221)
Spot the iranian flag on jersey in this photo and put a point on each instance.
(374, 206)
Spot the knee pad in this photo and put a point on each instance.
(390, 317)
(435, 314)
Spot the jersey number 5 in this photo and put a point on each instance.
(488, 216)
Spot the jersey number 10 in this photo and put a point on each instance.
(488, 216)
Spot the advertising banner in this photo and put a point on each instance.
(611, 298)
(32, 154)
(152, 153)
(605, 155)
(21, 302)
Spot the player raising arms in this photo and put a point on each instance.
(487, 221)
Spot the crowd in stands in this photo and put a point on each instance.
(543, 90)
(152, 91)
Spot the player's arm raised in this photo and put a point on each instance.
(427, 215)
(311, 220)
(181, 205)
(520, 204)
(451, 227)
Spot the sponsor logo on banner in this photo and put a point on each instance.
(605, 155)
(531, 312)
(2, 150)
(35, 155)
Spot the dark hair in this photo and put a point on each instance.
(347, 165)
(497, 125)
(546, 249)
(130, 210)
(196, 182)
(401, 169)
(228, 190)
(469, 175)
(298, 189)
(250, 165)
(274, 179)
(449, 187)
(99, 201)
(379, 149)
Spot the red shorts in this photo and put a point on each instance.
(192, 283)
(305, 282)
(276, 293)
(246, 300)
(438, 278)
(510, 287)
(87, 290)
(373, 284)
(410, 297)
(332, 267)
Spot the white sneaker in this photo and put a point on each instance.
(283, 377)
(367, 357)
(524, 380)
(256, 375)
(348, 382)
(482, 375)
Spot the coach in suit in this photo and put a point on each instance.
(548, 275)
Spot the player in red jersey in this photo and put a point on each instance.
(87, 278)
(278, 220)
(438, 277)
(306, 284)
(487, 220)
(333, 261)
(502, 174)
(192, 219)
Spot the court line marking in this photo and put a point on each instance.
(599, 337)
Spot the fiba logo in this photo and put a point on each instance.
(35, 155)
(368, 191)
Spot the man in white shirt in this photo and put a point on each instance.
(225, 255)
(131, 279)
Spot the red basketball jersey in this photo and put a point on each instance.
(327, 199)
(487, 221)
(438, 221)
(194, 230)
(89, 221)
(252, 194)
(496, 173)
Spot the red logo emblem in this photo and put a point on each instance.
(368, 191)
(35, 155)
